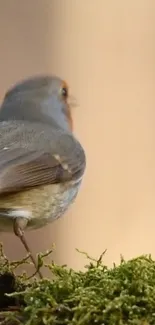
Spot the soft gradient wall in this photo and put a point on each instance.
(106, 52)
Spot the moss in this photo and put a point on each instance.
(121, 295)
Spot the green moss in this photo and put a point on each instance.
(120, 295)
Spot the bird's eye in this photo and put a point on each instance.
(64, 92)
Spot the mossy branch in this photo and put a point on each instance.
(121, 295)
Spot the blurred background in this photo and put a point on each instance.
(106, 52)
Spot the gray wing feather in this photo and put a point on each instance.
(34, 154)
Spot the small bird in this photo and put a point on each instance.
(41, 162)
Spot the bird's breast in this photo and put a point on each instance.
(40, 205)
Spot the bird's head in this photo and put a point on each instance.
(39, 99)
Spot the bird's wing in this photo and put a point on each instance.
(31, 156)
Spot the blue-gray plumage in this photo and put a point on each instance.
(41, 162)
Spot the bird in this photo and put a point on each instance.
(42, 163)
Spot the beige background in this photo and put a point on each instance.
(106, 52)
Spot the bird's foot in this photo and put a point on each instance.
(19, 226)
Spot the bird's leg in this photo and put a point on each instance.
(19, 226)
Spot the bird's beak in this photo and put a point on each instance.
(69, 117)
(71, 103)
